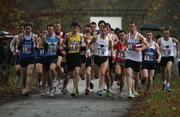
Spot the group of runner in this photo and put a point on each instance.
(107, 54)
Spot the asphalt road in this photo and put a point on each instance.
(67, 106)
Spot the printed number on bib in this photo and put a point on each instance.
(74, 46)
(101, 50)
(148, 58)
(131, 47)
(52, 49)
(27, 49)
(166, 52)
(120, 54)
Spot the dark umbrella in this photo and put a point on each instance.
(151, 26)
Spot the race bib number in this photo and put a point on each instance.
(131, 47)
(52, 49)
(27, 49)
(74, 46)
(88, 53)
(148, 58)
(101, 50)
(166, 52)
(120, 55)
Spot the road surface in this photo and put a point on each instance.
(67, 106)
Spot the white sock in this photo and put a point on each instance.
(165, 82)
(168, 84)
(130, 92)
(92, 81)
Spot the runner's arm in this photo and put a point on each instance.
(91, 42)
(35, 40)
(177, 46)
(158, 52)
(143, 40)
(13, 44)
(63, 43)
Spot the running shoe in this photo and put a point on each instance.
(130, 95)
(43, 92)
(91, 85)
(52, 93)
(25, 93)
(74, 93)
(164, 87)
(108, 93)
(99, 92)
(136, 93)
(64, 91)
(87, 92)
(167, 88)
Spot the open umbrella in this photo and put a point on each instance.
(151, 26)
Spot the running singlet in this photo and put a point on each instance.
(83, 47)
(27, 48)
(40, 52)
(114, 40)
(74, 44)
(101, 46)
(60, 35)
(88, 51)
(168, 47)
(120, 52)
(52, 46)
(150, 54)
(133, 43)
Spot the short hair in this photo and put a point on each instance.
(122, 31)
(117, 30)
(28, 24)
(101, 21)
(104, 26)
(75, 24)
(50, 25)
(93, 23)
(87, 31)
(148, 31)
(107, 24)
(21, 25)
(88, 25)
(133, 22)
(166, 28)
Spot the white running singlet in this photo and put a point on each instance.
(168, 47)
(101, 46)
(133, 43)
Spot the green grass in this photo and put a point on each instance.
(13, 87)
(160, 104)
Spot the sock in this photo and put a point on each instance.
(165, 82)
(168, 84)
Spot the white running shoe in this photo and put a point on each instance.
(130, 95)
(43, 93)
(55, 82)
(136, 93)
(52, 93)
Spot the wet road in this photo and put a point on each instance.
(67, 106)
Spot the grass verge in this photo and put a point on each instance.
(159, 104)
